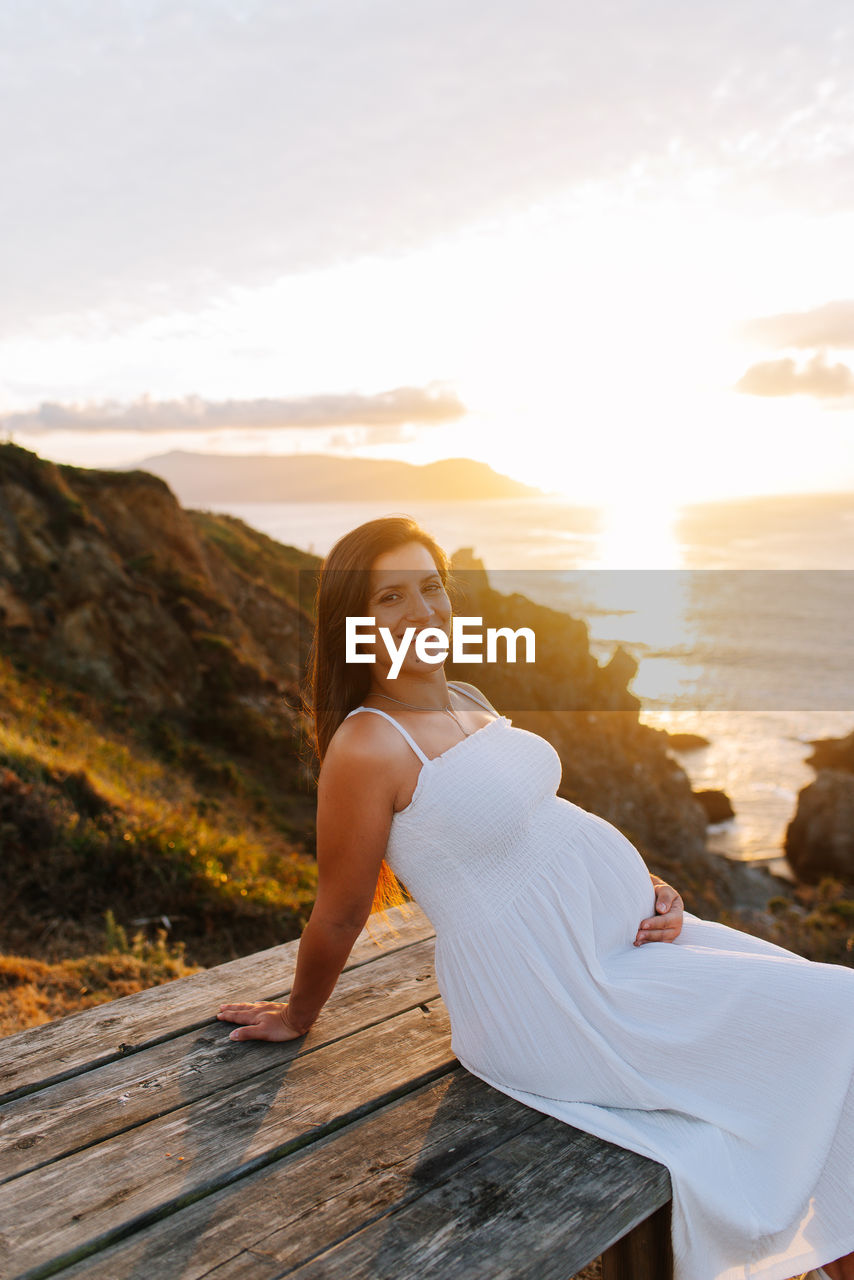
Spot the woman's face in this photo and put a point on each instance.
(406, 590)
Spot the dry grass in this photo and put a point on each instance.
(33, 992)
(92, 819)
(817, 924)
(593, 1272)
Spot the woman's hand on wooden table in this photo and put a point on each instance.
(260, 1020)
(666, 924)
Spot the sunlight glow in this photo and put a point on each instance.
(595, 344)
(638, 534)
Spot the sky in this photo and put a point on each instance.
(604, 248)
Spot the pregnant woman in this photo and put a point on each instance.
(724, 1057)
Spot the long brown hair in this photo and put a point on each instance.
(335, 687)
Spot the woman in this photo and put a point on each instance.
(728, 1059)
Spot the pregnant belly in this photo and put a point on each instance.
(595, 864)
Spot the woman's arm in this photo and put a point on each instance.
(666, 925)
(355, 799)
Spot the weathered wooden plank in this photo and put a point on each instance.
(75, 1113)
(58, 1050)
(646, 1253)
(300, 1204)
(296, 1208)
(84, 1200)
(521, 1212)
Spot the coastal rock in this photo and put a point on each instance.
(717, 805)
(820, 838)
(833, 753)
(622, 666)
(685, 741)
(565, 676)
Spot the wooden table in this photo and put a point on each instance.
(138, 1141)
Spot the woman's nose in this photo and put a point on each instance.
(418, 608)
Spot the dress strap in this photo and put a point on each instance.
(474, 697)
(376, 711)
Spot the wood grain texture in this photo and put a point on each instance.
(62, 1118)
(298, 1205)
(538, 1207)
(47, 1054)
(320, 1204)
(645, 1253)
(83, 1200)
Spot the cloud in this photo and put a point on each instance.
(345, 127)
(426, 406)
(831, 325)
(783, 378)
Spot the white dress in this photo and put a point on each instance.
(728, 1059)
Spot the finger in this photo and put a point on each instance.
(666, 934)
(255, 1032)
(658, 935)
(657, 931)
(245, 1016)
(659, 922)
(671, 907)
(662, 929)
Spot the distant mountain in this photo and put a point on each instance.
(197, 478)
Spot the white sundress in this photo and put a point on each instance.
(726, 1058)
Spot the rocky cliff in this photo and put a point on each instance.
(106, 581)
(820, 838)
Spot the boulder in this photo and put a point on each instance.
(686, 741)
(820, 838)
(717, 805)
(833, 753)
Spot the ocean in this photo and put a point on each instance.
(740, 615)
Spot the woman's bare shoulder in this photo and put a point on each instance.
(366, 758)
(360, 778)
(364, 739)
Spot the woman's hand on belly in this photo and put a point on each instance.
(666, 924)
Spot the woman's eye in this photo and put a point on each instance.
(394, 596)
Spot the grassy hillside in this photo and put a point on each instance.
(99, 817)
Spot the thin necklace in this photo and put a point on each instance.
(412, 707)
